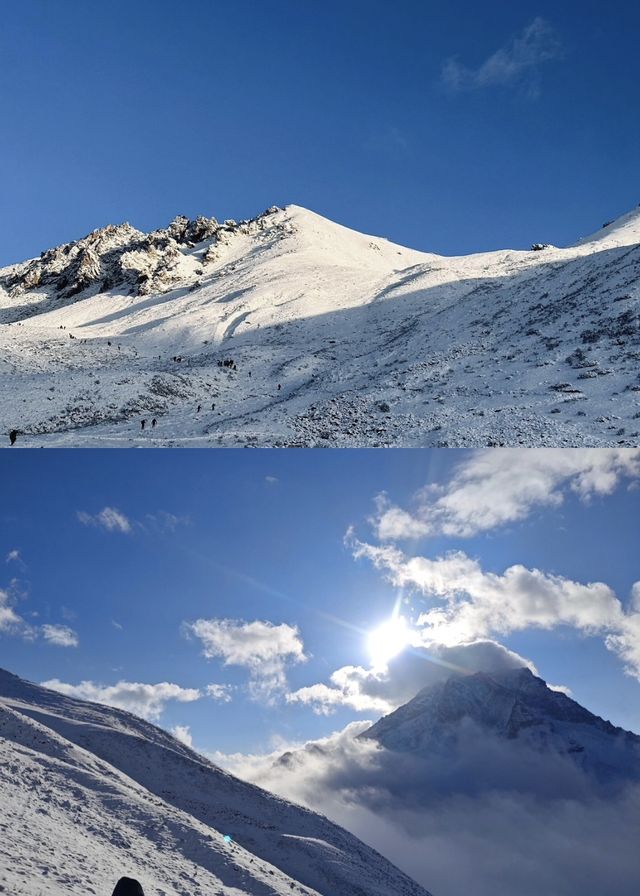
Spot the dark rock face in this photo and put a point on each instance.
(128, 886)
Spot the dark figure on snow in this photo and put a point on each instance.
(108, 343)
(153, 423)
(127, 886)
(13, 435)
(213, 405)
(143, 424)
(199, 409)
(279, 387)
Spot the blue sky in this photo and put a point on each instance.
(259, 537)
(447, 127)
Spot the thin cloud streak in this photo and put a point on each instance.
(517, 62)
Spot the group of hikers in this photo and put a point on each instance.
(143, 422)
(228, 363)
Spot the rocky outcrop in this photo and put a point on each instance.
(121, 257)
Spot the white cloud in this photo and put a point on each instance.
(162, 521)
(109, 518)
(219, 692)
(60, 635)
(12, 556)
(483, 817)
(516, 62)
(346, 691)
(10, 621)
(113, 520)
(258, 767)
(183, 734)
(384, 689)
(492, 488)
(561, 689)
(271, 480)
(261, 647)
(146, 700)
(469, 603)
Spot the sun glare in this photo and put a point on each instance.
(388, 640)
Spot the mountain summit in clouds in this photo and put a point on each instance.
(486, 783)
(288, 329)
(513, 706)
(90, 793)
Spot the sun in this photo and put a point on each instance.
(388, 640)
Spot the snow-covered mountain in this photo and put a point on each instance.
(289, 329)
(487, 783)
(514, 706)
(89, 793)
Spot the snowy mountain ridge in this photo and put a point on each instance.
(512, 706)
(330, 338)
(89, 793)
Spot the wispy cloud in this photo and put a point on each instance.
(10, 621)
(163, 521)
(14, 624)
(13, 556)
(146, 700)
(259, 646)
(183, 734)
(109, 518)
(493, 488)
(219, 692)
(517, 62)
(60, 635)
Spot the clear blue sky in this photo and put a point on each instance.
(143, 110)
(258, 535)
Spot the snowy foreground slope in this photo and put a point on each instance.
(89, 793)
(330, 338)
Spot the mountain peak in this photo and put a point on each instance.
(513, 705)
(336, 338)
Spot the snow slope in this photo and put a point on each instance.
(514, 706)
(89, 793)
(335, 338)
